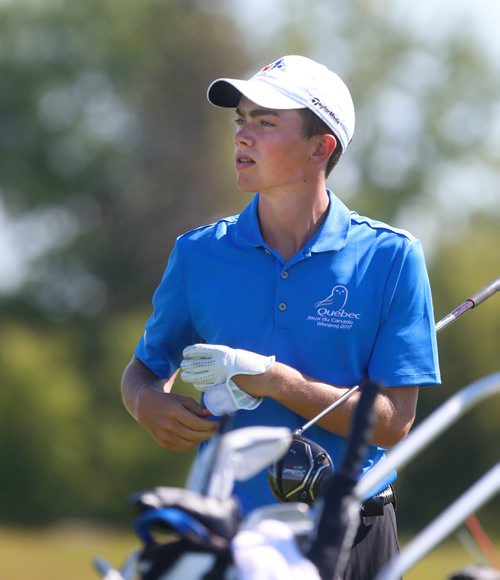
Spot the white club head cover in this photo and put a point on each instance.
(227, 398)
(243, 453)
(270, 552)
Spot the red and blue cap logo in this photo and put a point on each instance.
(278, 64)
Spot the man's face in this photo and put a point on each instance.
(271, 152)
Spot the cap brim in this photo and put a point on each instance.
(228, 92)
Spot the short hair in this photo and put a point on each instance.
(313, 125)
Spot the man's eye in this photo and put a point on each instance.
(267, 123)
(239, 121)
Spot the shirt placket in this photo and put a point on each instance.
(285, 301)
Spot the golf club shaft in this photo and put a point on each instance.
(473, 301)
(331, 407)
(476, 299)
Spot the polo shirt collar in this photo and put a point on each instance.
(331, 236)
(248, 227)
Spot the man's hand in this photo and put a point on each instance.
(176, 422)
(206, 365)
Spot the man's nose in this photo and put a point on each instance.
(243, 136)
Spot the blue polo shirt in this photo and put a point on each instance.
(355, 301)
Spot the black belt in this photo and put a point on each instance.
(375, 505)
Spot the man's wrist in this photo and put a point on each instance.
(142, 392)
(133, 409)
(260, 385)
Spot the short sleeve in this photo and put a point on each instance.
(405, 349)
(170, 328)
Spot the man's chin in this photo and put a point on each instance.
(245, 187)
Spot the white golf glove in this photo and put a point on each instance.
(211, 364)
(227, 398)
(210, 367)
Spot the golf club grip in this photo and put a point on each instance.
(338, 520)
(486, 292)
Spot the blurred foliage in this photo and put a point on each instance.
(105, 136)
(425, 149)
(108, 151)
(106, 156)
(469, 350)
(67, 445)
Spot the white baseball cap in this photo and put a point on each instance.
(293, 82)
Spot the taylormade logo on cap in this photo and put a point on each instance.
(294, 82)
(317, 103)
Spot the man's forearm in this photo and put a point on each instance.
(394, 408)
(135, 379)
(302, 394)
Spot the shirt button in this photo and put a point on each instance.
(284, 274)
(282, 306)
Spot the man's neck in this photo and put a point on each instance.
(289, 220)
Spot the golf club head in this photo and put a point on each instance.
(301, 474)
(236, 456)
(243, 453)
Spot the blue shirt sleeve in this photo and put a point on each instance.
(405, 351)
(170, 328)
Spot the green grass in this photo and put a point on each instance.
(66, 552)
(446, 558)
(63, 552)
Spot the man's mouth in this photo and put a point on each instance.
(243, 161)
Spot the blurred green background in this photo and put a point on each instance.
(109, 150)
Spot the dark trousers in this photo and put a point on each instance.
(376, 543)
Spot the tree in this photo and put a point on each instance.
(106, 136)
(106, 144)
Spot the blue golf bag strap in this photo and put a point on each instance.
(174, 518)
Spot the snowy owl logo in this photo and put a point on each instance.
(336, 299)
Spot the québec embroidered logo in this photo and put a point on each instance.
(336, 299)
(331, 311)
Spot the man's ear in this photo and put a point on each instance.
(325, 146)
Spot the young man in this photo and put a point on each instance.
(276, 312)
